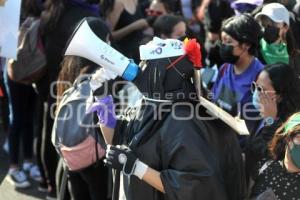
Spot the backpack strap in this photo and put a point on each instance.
(81, 78)
(223, 70)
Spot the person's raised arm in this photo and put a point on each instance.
(123, 32)
(113, 18)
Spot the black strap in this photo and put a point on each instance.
(222, 71)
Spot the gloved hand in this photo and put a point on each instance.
(121, 158)
(105, 109)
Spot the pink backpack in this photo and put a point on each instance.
(75, 134)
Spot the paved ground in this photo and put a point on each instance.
(7, 192)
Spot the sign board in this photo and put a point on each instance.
(9, 27)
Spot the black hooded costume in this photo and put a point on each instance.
(197, 158)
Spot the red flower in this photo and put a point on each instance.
(193, 51)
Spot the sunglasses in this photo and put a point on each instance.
(260, 89)
(151, 12)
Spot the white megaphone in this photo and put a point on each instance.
(85, 43)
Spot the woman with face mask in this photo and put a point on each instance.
(278, 43)
(280, 176)
(240, 39)
(276, 94)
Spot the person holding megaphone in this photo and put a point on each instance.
(165, 150)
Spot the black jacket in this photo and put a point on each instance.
(197, 159)
(256, 147)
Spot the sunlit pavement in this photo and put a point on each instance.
(7, 191)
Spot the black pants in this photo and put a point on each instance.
(39, 113)
(48, 153)
(89, 183)
(21, 107)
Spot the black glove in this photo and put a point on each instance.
(121, 158)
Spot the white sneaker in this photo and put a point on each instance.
(17, 178)
(33, 171)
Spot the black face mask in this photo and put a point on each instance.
(271, 34)
(226, 53)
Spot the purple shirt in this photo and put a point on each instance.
(231, 89)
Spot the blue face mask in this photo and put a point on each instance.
(255, 99)
(295, 155)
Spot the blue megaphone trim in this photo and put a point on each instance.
(131, 71)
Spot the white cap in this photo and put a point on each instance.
(159, 48)
(275, 11)
(252, 2)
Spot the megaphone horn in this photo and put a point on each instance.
(86, 44)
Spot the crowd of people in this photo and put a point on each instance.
(160, 142)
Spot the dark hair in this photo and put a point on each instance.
(244, 29)
(278, 144)
(291, 42)
(106, 6)
(32, 8)
(71, 68)
(286, 84)
(165, 24)
(52, 13)
(98, 26)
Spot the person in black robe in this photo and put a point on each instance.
(171, 148)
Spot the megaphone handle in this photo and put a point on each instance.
(102, 75)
